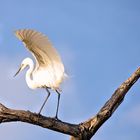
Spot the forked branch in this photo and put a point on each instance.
(82, 131)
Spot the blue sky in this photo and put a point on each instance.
(100, 46)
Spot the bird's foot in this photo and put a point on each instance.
(38, 114)
(28, 111)
(56, 118)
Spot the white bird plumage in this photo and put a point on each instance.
(49, 70)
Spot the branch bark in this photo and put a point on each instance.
(82, 131)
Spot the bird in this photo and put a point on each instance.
(47, 70)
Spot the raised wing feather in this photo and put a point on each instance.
(41, 48)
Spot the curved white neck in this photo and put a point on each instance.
(29, 75)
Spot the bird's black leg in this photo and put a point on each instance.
(56, 116)
(45, 100)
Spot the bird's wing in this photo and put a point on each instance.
(41, 48)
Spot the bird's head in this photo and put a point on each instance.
(23, 65)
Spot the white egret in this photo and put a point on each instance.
(49, 70)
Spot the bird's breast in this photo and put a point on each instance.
(48, 77)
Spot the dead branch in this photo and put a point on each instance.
(82, 131)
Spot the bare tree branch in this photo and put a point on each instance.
(82, 131)
(10, 115)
